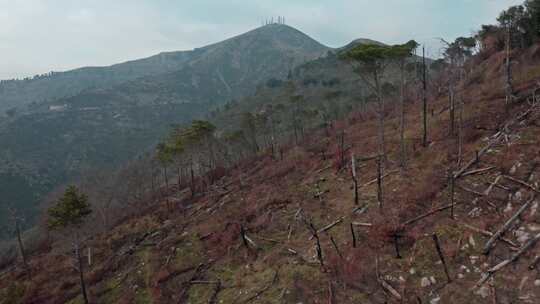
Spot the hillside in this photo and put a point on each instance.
(279, 230)
(116, 113)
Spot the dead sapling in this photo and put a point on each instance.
(317, 244)
(379, 183)
(335, 246)
(353, 236)
(354, 178)
(441, 257)
(396, 236)
(246, 240)
(451, 181)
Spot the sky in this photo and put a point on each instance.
(38, 36)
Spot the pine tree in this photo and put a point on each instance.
(69, 212)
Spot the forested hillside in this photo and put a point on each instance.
(129, 107)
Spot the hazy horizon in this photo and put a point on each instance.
(41, 36)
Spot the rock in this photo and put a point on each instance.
(475, 212)
(513, 169)
(522, 235)
(483, 292)
(518, 196)
(424, 282)
(522, 283)
(435, 300)
(534, 208)
(471, 241)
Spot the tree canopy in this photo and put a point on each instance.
(70, 210)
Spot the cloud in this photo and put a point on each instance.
(37, 36)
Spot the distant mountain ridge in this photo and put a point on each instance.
(235, 64)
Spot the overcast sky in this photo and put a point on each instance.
(37, 36)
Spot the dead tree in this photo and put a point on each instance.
(317, 244)
(342, 149)
(16, 223)
(451, 181)
(508, 85)
(379, 182)
(243, 236)
(335, 246)
(396, 236)
(80, 269)
(451, 101)
(441, 256)
(353, 235)
(424, 97)
(354, 178)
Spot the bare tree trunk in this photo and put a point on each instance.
(21, 246)
(460, 132)
(342, 149)
(452, 107)
(441, 257)
(382, 151)
(354, 178)
(402, 117)
(379, 183)
(452, 191)
(192, 174)
(509, 88)
(166, 188)
(81, 272)
(353, 235)
(424, 97)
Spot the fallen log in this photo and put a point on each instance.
(371, 182)
(420, 217)
(327, 227)
(489, 245)
(476, 158)
(362, 224)
(390, 289)
(486, 276)
(478, 171)
(489, 234)
(495, 182)
(525, 184)
(264, 289)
